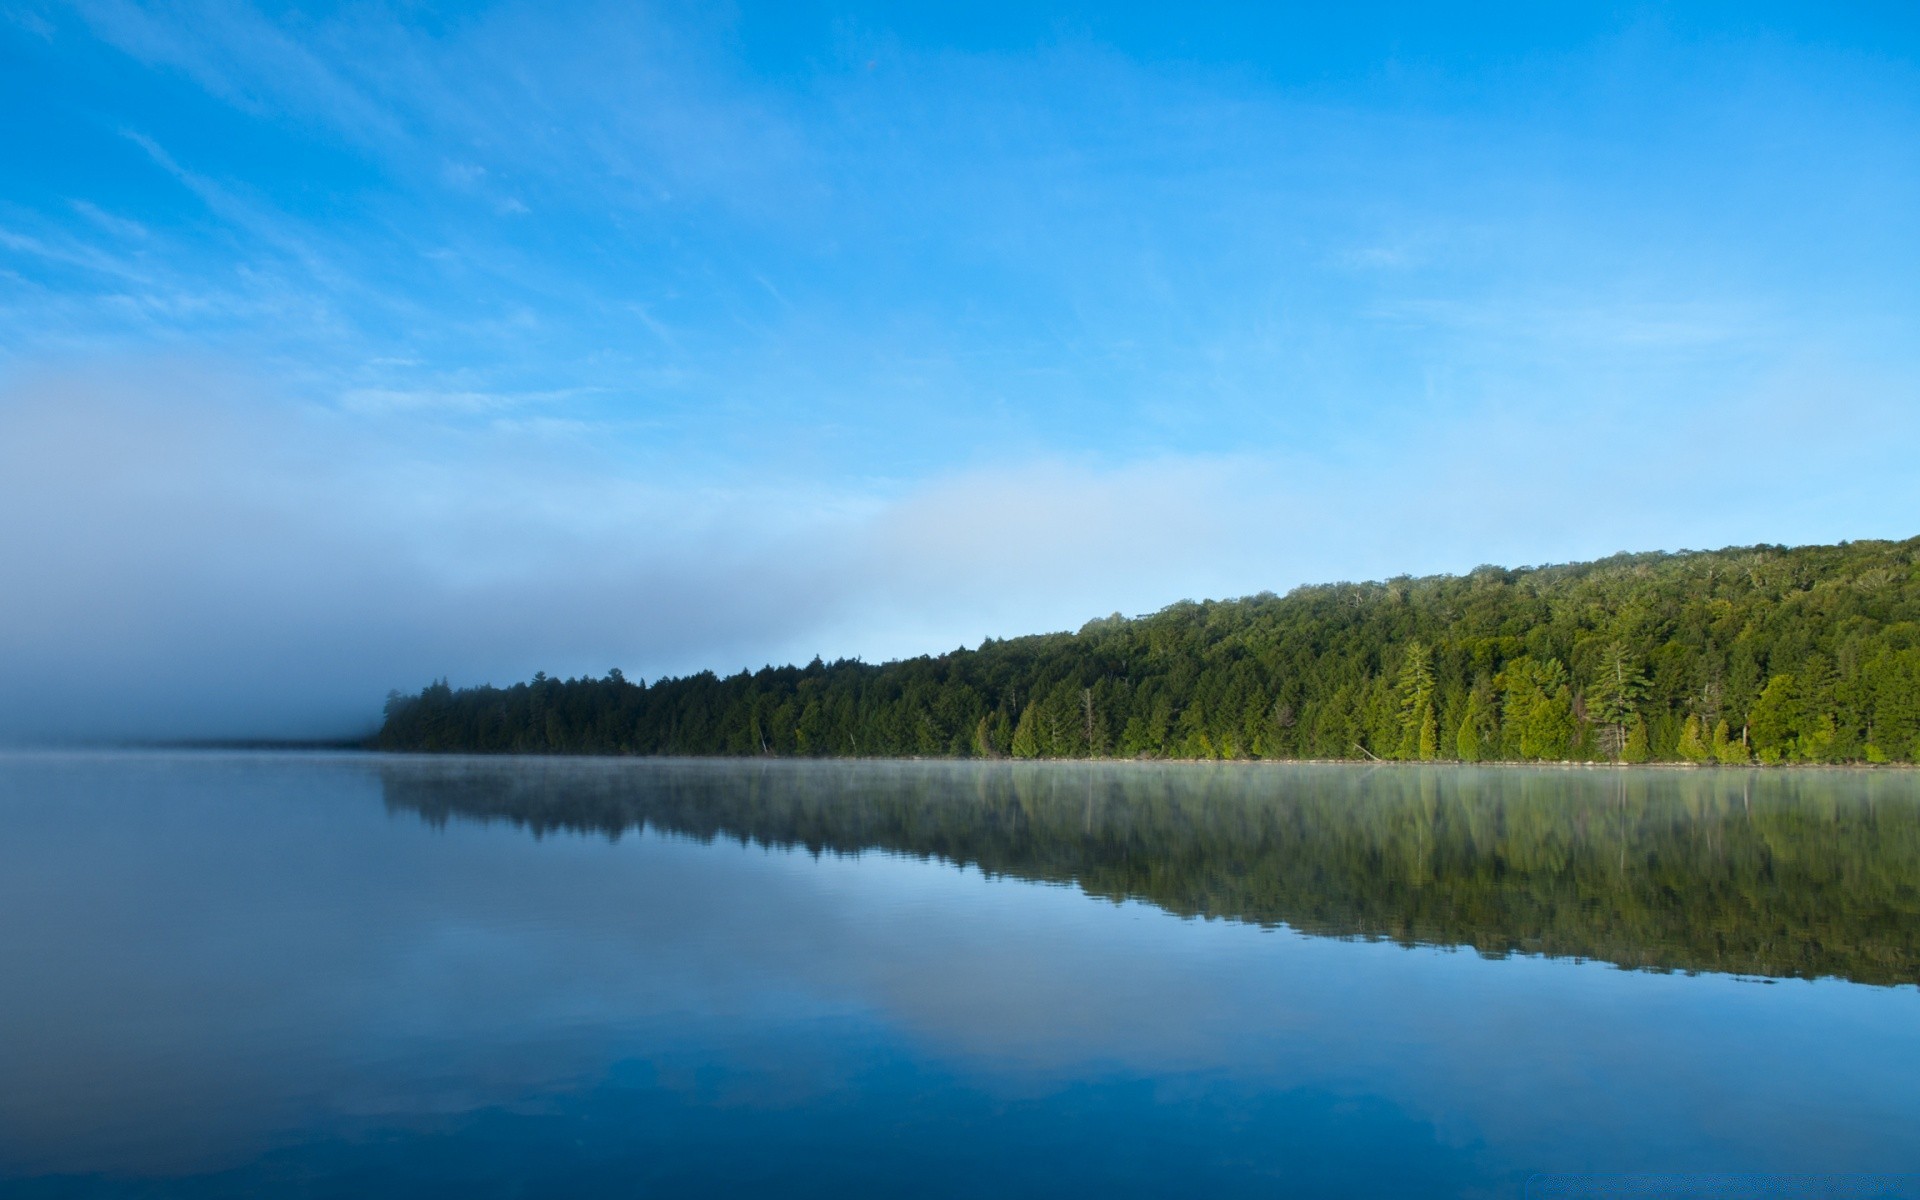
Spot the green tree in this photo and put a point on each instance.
(1616, 689)
(1726, 748)
(1479, 737)
(1775, 720)
(1639, 748)
(1538, 711)
(1819, 696)
(1693, 743)
(1429, 733)
(1026, 735)
(1415, 694)
(983, 746)
(1467, 741)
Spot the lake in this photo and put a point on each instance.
(355, 975)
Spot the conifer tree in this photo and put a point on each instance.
(983, 746)
(1467, 741)
(1638, 749)
(1611, 699)
(1775, 720)
(1026, 735)
(1539, 708)
(1551, 732)
(1415, 692)
(1693, 746)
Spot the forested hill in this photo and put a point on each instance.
(1764, 654)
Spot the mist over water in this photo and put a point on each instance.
(342, 974)
(1734, 871)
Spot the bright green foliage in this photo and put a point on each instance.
(1480, 723)
(1538, 709)
(1544, 663)
(1467, 741)
(1726, 748)
(1415, 692)
(1819, 739)
(1775, 721)
(1693, 744)
(1026, 742)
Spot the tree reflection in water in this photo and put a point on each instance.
(1770, 874)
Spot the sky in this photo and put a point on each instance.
(344, 348)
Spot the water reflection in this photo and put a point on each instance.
(268, 974)
(1786, 875)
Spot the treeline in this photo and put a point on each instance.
(1781, 875)
(1764, 654)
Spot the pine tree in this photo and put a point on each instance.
(1467, 741)
(983, 738)
(1415, 693)
(1429, 734)
(1638, 749)
(1611, 699)
(1539, 708)
(1026, 735)
(1693, 746)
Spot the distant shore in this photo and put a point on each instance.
(366, 746)
(1782, 656)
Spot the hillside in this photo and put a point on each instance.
(1765, 654)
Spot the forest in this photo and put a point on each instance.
(1761, 655)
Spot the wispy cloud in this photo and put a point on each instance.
(238, 54)
(388, 400)
(1645, 324)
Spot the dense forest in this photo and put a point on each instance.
(1757, 655)
(1780, 875)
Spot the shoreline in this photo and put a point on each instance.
(346, 747)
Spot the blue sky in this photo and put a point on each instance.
(366, 344)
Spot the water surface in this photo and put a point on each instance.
(357, 975)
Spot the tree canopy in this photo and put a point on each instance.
(1759, 654)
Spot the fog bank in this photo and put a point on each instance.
(187, 556)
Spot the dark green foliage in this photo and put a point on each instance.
(1795, 655)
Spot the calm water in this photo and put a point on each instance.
(350, 976)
